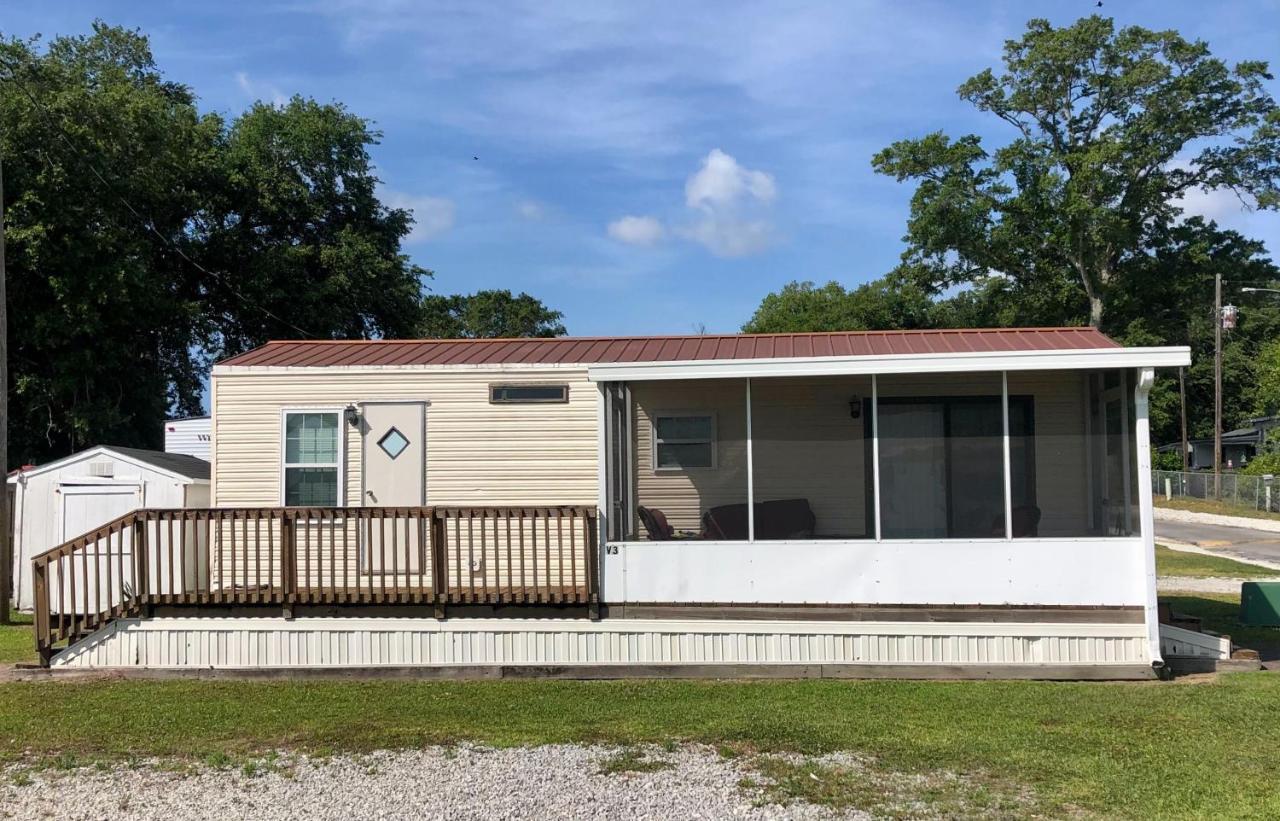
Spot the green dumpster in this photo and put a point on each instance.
(1260, 604)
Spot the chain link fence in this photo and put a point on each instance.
(1255, 492)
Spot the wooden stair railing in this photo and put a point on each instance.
(292, 556)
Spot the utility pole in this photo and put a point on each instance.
(6, 542)
(1217, 386)
(1182, 400)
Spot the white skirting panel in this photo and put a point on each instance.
(248, 642)
(1072, 572)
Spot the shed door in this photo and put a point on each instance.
(103, 575)
(85, 507)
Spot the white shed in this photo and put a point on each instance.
(191, 436)
(59, 501)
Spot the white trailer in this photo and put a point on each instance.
(191, 436)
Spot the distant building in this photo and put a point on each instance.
(190, 436)
(1239, 446)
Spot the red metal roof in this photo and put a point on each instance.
(593, 350)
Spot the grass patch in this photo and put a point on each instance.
(887, 794)
(17, 644)
(1171, 562)
(1222, 507)
(1220, 613)
(1146, 749)
(632, 760)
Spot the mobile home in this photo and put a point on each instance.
(964, 501)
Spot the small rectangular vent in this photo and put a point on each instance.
(102, 469)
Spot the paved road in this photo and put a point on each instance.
(1236, 542)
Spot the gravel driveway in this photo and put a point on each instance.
(455, 783)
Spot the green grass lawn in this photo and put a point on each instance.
(1219, 612)
(1224, 507)
(1182, 749)
(1136, 750)
(1181, 563)
(16, 641)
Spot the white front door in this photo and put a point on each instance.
(393, 446)
(393, 437)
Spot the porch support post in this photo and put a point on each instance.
(751, 474)
(1125, 456)
(875, 453)
(604, 493)
(1008, 471)
(1146, 517)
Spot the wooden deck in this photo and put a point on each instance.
(428, 556)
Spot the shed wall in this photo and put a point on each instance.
(38, 507)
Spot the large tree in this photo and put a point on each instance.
(878, 305)
(145, 238)
(1110, 129)
(293, 218)
(1165, 297)
(103, 159)
(487, 315)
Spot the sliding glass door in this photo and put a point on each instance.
(942, 465)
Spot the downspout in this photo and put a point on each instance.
(1146, 517)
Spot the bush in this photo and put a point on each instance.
(1167, 461)
(1263, 463)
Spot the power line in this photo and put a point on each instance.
(147, 223)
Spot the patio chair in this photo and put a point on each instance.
(656, 525)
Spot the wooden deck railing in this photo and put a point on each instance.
(431, 556)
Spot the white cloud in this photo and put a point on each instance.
(531, 210)
(721, 182)
(260, 91)
(730, 237)
(636, 230)
(432, 216)
(616, 78)
(733, 206)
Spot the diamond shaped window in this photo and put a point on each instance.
(393, 443)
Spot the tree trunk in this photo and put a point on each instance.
(1095, 310)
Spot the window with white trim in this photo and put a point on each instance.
(684, 440)
(311, 458)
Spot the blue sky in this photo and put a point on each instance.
(647, 167)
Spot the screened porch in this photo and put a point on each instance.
(1003, 455)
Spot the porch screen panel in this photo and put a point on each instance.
(691, 459)
(810, 443)
(1081, 448)
(942, 456)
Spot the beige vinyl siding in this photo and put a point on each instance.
(477, 453)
